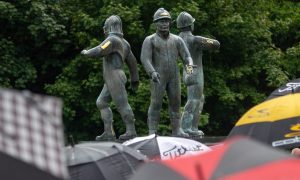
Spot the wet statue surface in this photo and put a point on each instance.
(159, 55)
(196, 46)
(115, 51)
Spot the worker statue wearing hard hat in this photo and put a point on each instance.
(160, 52)
(196, 46)
(115, 51)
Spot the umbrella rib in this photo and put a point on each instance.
(142, 144)
(93, 149)
(124, 157)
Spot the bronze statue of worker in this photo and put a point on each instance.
(160, 52)
(115, 51)
(196, 46)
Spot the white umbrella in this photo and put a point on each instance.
(165, 147)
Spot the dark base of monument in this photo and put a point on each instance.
(211, 140)
(207, 140)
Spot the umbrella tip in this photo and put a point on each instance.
(71, 140)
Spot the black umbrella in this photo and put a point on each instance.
(102, 160)
(16, 169)
(288, 88)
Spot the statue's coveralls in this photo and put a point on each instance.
(160, 55)
(194, 105)
(115, 50)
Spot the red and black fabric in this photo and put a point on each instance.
(288, 88)
(275, 122)
(235, 159)
(31, 133)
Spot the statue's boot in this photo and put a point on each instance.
(152, 125)
(106, 137)
(186, 121)
(178, 132)
(194, 132)
(130, 128)
(176, 126)
(108, 134)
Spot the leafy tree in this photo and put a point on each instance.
(33, 41)
(41, 42)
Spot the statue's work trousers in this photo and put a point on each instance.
(114, 90)
(169, 83)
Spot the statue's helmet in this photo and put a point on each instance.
(113, 24)
(161, 13)
(184, 19)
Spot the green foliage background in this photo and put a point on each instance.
(41, 40)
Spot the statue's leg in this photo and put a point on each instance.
(195, 122)
(200, 96)
(119, 96)
(174, 97)
(157, 93)
(189, 114)
(106, 114)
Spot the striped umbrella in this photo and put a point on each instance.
(275, 122)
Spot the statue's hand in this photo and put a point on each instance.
(84, 52)
(190, 68)
(155, 77)
(134, 86)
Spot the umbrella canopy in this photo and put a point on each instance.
(102, 160)
(16, 169)
(236, 159)
(31, 136)
(164, 147)
(275, 122)
(290, 87)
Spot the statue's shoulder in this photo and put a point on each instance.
(175, 37)
(114, 38)
(199, 37)
(125, 41)
(150, 37)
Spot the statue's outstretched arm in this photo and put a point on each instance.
(102, 50)
(207, 43)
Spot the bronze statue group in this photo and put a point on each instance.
(159, 55)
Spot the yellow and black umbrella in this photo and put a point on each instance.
(275, 122)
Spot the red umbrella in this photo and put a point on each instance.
(237, 158)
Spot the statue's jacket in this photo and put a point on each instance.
(115, 50)
(161, 55)
(196, 46)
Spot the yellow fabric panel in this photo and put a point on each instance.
(104, 46)
(273, 110)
